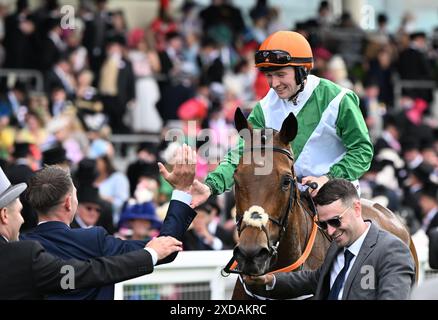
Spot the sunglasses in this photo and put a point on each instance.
(278, 57)
(333, 222)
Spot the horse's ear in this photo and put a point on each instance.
(289, 129)
(240, 121)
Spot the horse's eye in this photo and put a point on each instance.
(286, 181)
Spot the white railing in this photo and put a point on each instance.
(191, 271)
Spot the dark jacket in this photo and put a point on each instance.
(29, 272)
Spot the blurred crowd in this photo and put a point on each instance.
(195, 63)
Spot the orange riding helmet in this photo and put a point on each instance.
(284, 48)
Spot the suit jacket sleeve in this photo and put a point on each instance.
(294, 284)
(112, 246)
(178, 218)
(48, 272)
(290, 285)
(396, 272)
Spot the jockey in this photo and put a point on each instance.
(332, 139)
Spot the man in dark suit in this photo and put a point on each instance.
(413, 64)
(429, 206)
(28, 272)
(363, 262)
(20, 40)
(53, 195)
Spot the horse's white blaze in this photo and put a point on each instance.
(255, 217)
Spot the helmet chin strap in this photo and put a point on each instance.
(294, 97)
(300, 78)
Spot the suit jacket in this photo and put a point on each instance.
(29, 272)
(433, 248)
(65, 243)
(381, 253)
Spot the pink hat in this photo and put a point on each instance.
(135, 36)
(192, 109)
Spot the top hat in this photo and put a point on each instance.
(89, 194)
(9, 192)
(21, 150)
(55, 155)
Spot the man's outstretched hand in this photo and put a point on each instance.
(183, 173)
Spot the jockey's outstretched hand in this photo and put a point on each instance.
(184, 167)
(319, 180)
(200, 193)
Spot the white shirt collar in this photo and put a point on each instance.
(354, 248)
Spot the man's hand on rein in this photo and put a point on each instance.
(266, 279)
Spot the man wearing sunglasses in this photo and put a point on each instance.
(332, 139)
(363, 262)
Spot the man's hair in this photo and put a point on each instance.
(336, 189)
(48, 187)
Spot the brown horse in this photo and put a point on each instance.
(275, 224)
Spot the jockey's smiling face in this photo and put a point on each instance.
(343, 222)
(283, 82)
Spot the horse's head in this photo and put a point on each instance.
(265, 192)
